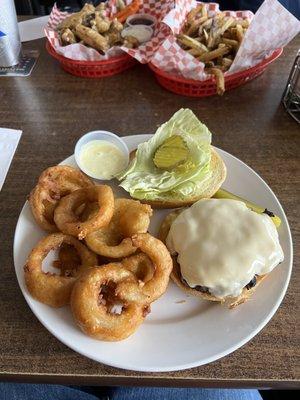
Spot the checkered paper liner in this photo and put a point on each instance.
(143, 53)
(271, 27)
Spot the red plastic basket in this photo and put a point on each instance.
(190, 87)
(93, 69)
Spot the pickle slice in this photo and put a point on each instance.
(171, 153)
(223, 194)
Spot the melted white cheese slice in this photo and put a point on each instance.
(221, 244)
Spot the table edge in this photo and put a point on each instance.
(148, 381)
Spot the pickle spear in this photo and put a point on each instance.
(171, 153)
(223, 194)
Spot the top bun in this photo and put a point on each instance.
(210, 186)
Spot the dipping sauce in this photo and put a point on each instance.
(141, 21)
(140, 32)
(102, 159)
(222, 245)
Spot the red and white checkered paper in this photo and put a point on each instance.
(271, 27)
(143, 53)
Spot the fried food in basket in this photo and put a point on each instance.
(92, 38)
(113, 240)
(212, 40)
(52, 289)
(54, 183)
(92, 27)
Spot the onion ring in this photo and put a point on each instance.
(67, 220)
(68, 260)
(91, 309)
(48, 288)
(141, 265)
(113, 241)
(54, 183)
(162, 261)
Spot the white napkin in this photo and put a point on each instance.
(9, 139)
(33, 28)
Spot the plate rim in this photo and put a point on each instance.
(185, 366)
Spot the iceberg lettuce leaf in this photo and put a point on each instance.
(143, 180)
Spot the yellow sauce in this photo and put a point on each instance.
(102, 159)
(221, 244)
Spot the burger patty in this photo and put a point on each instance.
(205, 289)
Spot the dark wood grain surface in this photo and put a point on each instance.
(54, 109)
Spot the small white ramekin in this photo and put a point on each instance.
(99, 135)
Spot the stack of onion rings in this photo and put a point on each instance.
(65, 200)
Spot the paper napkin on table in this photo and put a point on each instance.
(9, 139)
(33, 28)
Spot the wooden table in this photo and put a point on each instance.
(54, 109)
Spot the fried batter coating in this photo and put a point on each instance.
(68, 37)
(67, 220)
(48, 288)
(54, 183)
(161, 260)
(131, 42)
(113, 241)
(94, 295)
(102, 24)
(92, 38)
(141, 265)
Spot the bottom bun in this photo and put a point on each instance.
(177, 277)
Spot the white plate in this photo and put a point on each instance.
(181, 332)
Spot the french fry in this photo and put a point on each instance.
(195, 52)
(194, 27)
(225, 25)
(210, 41)
(204, 11)
(239, 33)
(211, 55)
(209, 64)
(192, 14)
(220, 81)
(226, 62)
(192, 43)
(205, 34)
(243, 22)
(231, 42)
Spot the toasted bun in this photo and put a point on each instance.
(176, 274)
(210, 187)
